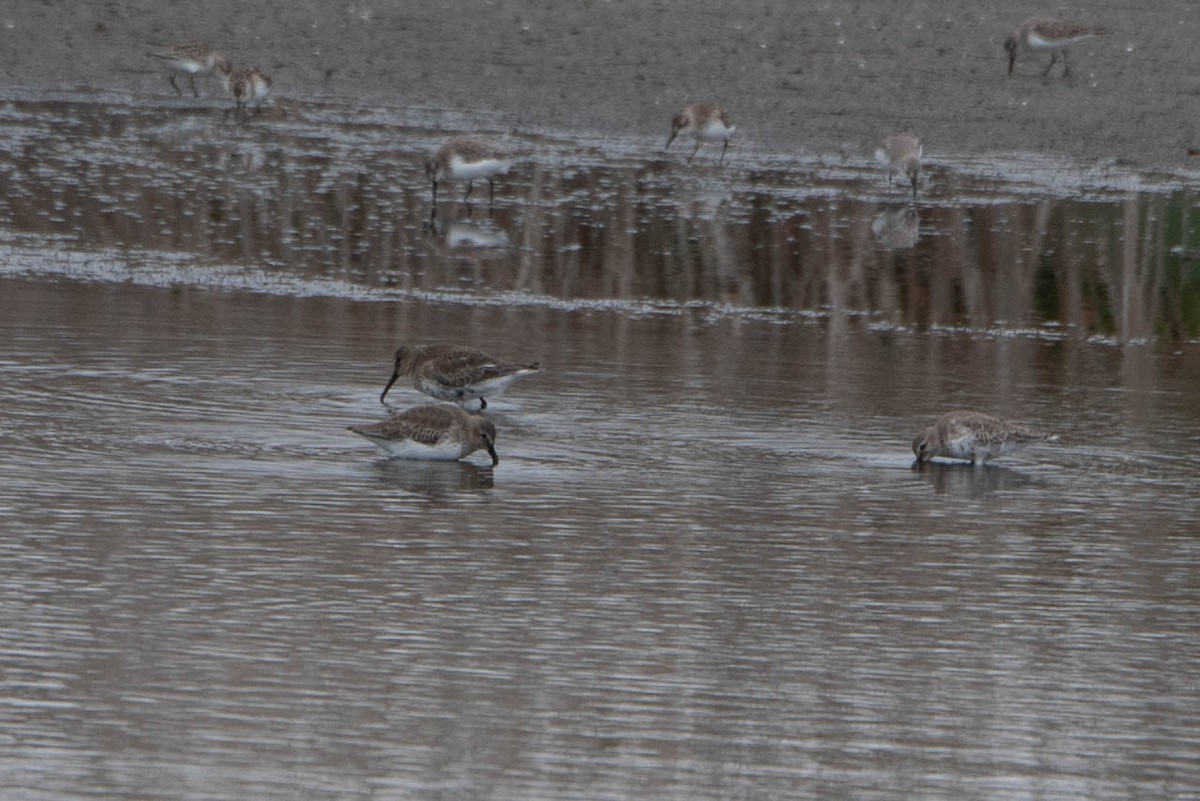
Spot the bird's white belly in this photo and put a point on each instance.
(480, 389)
(473, 170)
(971, 449)
(714, 132)
(443, 451)
(493, 386)
(1035, 42)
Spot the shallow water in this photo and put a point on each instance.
(705, 566)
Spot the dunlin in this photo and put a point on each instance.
(901, 154)
(453, 373)
(704, 122)
(435, 431)
(1043, 33)
(467, 160)
(246, 85)
(973, 436)
(191, 60)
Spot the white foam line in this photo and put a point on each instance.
(181, 270)
(111, 267)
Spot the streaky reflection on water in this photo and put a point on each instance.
(704, 567)
(1056, 248)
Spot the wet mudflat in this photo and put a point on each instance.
(704, 566)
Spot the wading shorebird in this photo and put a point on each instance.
(901, 154)
(246, 85)
(704, 122)
(454, 373)
(468, 160)
(190, 59)
(436, 432)
(974, 437)
(1043, 33)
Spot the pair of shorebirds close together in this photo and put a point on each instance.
(245, 85)
(446, 431)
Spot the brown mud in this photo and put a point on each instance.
(823, 78)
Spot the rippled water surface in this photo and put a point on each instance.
(704, 567)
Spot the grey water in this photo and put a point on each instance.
(705, 566)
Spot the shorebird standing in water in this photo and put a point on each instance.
(1044, 33)
(704, 122)
(454, 373)
(973, 436)
(436, 431)
(246, 85)
(190, 59)
(901, 154)
(467, 160)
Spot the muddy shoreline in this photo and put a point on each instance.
(830, 79)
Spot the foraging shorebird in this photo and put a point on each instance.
(191, 59)
(454, 373)
(704, 122)
(1044, 33)
(974, 437)
(436, 431)
(901, 154)
(467, 160)
(246, 85)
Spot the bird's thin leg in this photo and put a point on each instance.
(470, 186)
(1066, 65)
(1053, 59)
(721, 160)
(192, 80)
(491, 191)
(174, 85)
(695, 150)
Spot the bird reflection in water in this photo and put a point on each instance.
(466, 234)
(897, 227)
(435, 479)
